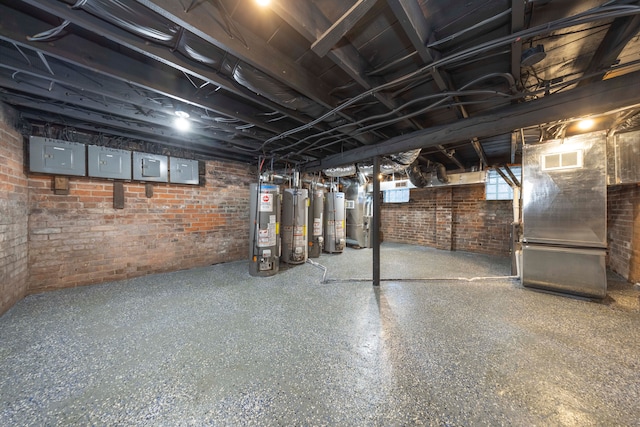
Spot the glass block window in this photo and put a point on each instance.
(496, 188)
(399, 195)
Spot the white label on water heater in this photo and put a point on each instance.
(266, 202)
(263, 238)
(317, 226)
(300, 236)
(335, 228)
(267, 236)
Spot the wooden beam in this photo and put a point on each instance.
(417, 28)
(306, 18)
(621, 32)
(341, 27)
(204, 21)
(597, 98)
(123, 69)
(517, 24)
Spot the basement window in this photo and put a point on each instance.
(496, 188)
(398, 195)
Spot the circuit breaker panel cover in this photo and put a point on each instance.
(105, 162)
(56, 156)
(183, 171)
(150, 167)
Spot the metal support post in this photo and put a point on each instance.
(377, 199)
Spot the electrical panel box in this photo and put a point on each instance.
(57, 157)
(150, 167)
(183, 171)
(107, 162)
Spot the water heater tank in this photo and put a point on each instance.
(316, 217)
(334, 222)
(264, 235)
(295, 202)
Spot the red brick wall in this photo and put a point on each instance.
(414, 222)
(623, 231)
(481, 225)
(450, 218)
(80, 239)
(13, 212)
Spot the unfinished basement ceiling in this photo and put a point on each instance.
(320, 83)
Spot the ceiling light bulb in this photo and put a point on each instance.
(182, 114)
(182, 124)
(263, 3)
(585, 124)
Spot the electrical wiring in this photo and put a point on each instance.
(598, 13)
(446, 95)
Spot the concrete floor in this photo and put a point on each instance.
(214, 346)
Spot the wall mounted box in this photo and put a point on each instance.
(107, 162)
(150, 167)
(57, 157)
(183, 171)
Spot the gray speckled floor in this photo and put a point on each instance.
(214, 346)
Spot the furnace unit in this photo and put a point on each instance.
(564, 215)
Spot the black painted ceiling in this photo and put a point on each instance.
(305, 82)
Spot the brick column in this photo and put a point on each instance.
(13, 212)
(634, 262)
(444, 218)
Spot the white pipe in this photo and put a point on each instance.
(516, 204)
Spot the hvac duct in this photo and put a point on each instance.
(316, 216)
(421, 175)
(264, 230)
(334, 222)
(272, 89)
(294, 225)
(394, 163)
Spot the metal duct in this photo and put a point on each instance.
(194, 47)
(420, 175)
(137, 19)
(132, 17)
(341, 171)
(263, 85)
(394, 163)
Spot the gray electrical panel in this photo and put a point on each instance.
(150, 167)
(107, 162)
(57, 157)
(183, 171)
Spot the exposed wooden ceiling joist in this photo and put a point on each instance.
(202, 20)
(597, 98)
(341, 27)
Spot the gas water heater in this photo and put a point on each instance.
(334, 222)
(316, 216)
(295, 202)
(264, 235)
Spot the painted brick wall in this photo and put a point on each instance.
(623, 231)
(450, 218)
(13, 212)
(80, 239)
